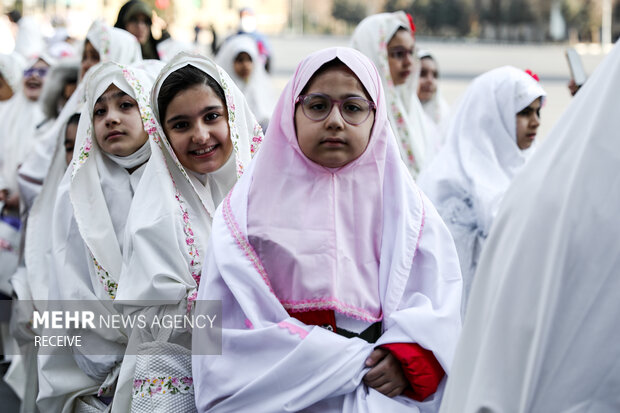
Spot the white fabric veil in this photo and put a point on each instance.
(469, 176)
(91, 207)
(258, 90)
(404, 111)
(541, 333)
(169, 224)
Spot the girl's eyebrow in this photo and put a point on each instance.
(184, 115)
(109, 96)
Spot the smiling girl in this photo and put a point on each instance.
(206, 137)
(339, 282)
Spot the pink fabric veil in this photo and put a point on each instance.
(318, 230)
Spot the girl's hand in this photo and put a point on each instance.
(386, 374)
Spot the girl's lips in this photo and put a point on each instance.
(114, 135)
(204, 152)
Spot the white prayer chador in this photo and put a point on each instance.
(271, 362)
(90, 212)
(169, 223)
(258, 90)
(12, 70)
(18, 121)
(468, 179)
(542, 333)
(405, 112)
(114, 45)
(437, 109)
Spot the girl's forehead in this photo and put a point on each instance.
(340, 76)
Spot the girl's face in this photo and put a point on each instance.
(140, 27)
(332, 142)
(196, 125)
(243, 66)
(400, 51)
(34, 79)
(428, 79)
(90, 57)
(117, 122)
(528, 121)
(5, 90)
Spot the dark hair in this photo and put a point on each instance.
(182, 79)
(332, 64)
(75, 118)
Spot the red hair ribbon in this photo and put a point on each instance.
(534, 75)
(411, 24)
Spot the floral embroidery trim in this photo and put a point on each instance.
(403, 131)
(84, 153)
(242, 242)
(109, 285)
(162, 385)
(195, 265)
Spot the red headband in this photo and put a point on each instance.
(411, 24)
(534, 75)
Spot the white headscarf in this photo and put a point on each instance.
(12, 70)
(258, 90)
(469, 176)
(169, 224)
(18, 120)
(541, 333)
(113, 45)
(29, 41)
(91, 209)
(116, 45)
(173, 205)
(405, 112)
(436, 108)
(71, 262)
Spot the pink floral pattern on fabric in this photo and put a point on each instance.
(162, 385)
(249, 324)
(108, 283)
(148, 120)
(84, 153)
(401, 126)
(195, 265)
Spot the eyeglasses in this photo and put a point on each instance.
(399, 53)
(41, 71)
(317, 107)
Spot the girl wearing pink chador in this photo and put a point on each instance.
(324, 232)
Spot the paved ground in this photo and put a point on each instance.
(459, 63)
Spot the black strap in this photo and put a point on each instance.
(371, 334)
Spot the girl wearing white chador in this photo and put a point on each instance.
(468, 178)
(169, 226)
(257, 88)
(359, 242)
(91, 208)
(542, 333)
(111, 44)
(405, 112)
